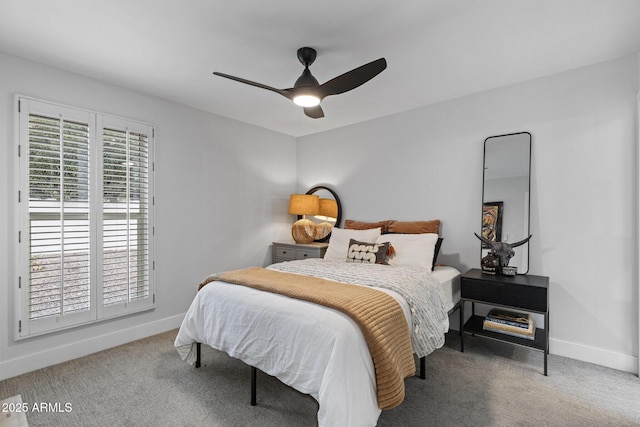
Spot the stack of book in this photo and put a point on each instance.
(510, 323)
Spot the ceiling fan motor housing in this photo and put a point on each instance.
(306, 55)
(306, 80)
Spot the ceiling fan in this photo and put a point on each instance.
(308, 93)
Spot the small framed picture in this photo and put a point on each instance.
(492, 222)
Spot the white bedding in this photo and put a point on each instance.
(314, 349)
(449, 279)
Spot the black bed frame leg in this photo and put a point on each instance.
(198, 354)
(423, 367)
(254, 372)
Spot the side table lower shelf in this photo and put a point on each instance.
(474, 326)
(522, 293)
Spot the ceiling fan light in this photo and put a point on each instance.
(306, 100)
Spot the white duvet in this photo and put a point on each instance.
(314, 349)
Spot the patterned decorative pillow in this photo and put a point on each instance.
(339, 241)
(371, 253)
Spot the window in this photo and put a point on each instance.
(85, 217)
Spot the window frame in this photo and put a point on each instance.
(25, 326)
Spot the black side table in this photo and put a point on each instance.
(526, 293)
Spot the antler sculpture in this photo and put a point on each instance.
(503, 250)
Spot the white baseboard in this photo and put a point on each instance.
(598, 356)
(52, 356)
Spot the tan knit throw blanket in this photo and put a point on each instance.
(378, 314)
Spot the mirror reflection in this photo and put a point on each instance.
(505, 195)
(330, 213)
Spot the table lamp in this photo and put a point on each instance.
(303, 230)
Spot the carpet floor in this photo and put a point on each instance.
(145, 383)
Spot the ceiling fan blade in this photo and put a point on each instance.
(314, 112)
(352, 79)
(284, 92)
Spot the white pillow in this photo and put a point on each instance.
(411, 249)
(339, 241)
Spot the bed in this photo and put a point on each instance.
(318, 350)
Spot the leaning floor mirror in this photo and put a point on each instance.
(505, 194)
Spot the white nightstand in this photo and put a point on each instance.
(288, 251)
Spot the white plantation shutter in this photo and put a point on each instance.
(126, 220)
(58, 152)
(85, 250)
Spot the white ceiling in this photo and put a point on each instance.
(435, 49)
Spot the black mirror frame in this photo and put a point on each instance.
(484, 156)
(335, 196)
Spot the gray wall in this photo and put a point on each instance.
(427, 163)
(222, 189)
